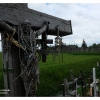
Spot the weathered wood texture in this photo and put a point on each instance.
(11, 68)
(67, 84)
(14, 13)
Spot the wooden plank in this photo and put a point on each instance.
(48, 41)
(17, 84)
(13, 13)
(10, 56)
(11, 74)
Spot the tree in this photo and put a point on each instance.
(94, 46)
(84, 45)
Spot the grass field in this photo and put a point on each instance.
(52, 72)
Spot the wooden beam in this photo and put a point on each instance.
(13, 13)
(48, 41)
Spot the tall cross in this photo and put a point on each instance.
(94, 83)
(14, 13)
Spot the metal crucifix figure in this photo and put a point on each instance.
(26, 42)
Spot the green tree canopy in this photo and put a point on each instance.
(84, 45)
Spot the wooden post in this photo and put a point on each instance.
(11, 69)
(82, 82)
(98, 65)
(13, 14)
(62, 51)
(66, 86)
(93, 85)
(94, 81)
(44, 38)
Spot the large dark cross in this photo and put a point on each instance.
(44, 41)
(12, 14)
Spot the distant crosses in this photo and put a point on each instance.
(58, 45)
(74, 47)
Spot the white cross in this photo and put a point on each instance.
(94, 83)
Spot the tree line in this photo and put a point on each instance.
(74, 48)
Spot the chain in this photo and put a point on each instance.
(28, 57)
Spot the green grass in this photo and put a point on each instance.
(52, 72)
(86, 53)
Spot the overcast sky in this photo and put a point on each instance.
(85, 19)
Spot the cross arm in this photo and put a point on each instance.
(14, 13)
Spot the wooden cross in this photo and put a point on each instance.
(14, 13)
(94, 83)
(7, 71)
(82, 82)
(66, 90)
(44, 43)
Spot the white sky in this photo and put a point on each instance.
(84, 16)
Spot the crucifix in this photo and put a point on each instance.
(20, 27)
